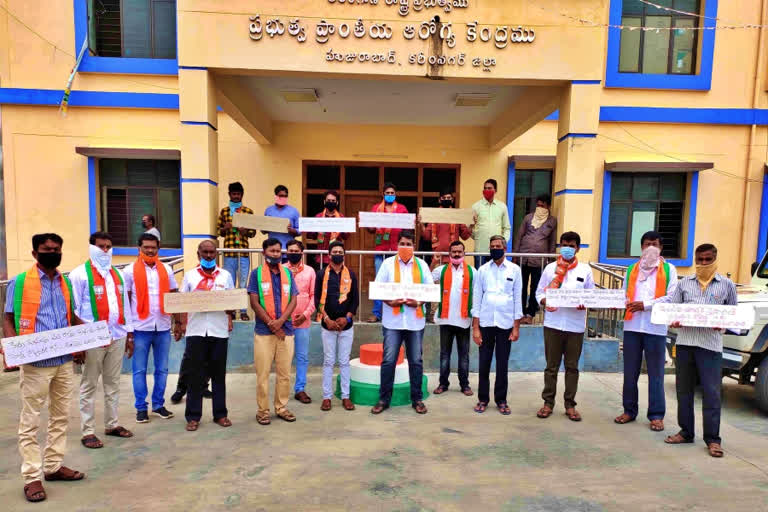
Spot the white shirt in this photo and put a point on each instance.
(566, 319)
(407, 319)
(82, 293)
(209, 323)
(498, 296)
(153, 231)
(454, 312)
(156, 321)
(646, 292)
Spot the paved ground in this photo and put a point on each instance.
(450, 459)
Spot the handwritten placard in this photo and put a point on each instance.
(395, 291)
(260, 222)
(737, 317)
(198, 301)
(446, 216)
(594, 298)
(387, 220)
(31, 348)
(327, 225)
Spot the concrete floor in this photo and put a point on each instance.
(450, 459)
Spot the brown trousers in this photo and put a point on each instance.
(559, 345)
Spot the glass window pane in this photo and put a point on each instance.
(108, 27)
(430, 202)
(688, 6)
(141, 201)
(655, 11)
(656, 45)
(645, 187)
(112, 172)
(315, 204)
(141, 173)
(164, 29)
(404, 178)
(324, 177)
(629, 53)
(136, 29)
(542, 183)
(167, 173)
(617, 229)
(436, 179)
(410, 202)
(361, 178)
(116, 211)
(643, 220)
(672, 187)
(523, 180)
(683, 47)
(621, 186)
(632, 7)
(169, 218)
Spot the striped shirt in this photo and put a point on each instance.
(720, 291)
(51, 315)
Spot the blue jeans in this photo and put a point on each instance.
(301, 353)
(377, 261)
(708, 365)
(160, 342)
(655, 348)
(393, 339)
(238, 266)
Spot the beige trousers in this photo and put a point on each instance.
(104, 362)
(38, 385)
(265, 350)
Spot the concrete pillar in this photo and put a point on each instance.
(199, 159)
(576, 167)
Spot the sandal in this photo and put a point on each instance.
(119, 432)
(419, 407)
(481, 407)
(34, 491)
(657, 425)
(544, 412)
(286, 415)
(92, 442)
(64, 474)
(439, 390)
(223, 422)
(715, 450)
(192, 425)
(263, 419)
(624, 419)
(677, 439)
(504, 408)
(573, 415)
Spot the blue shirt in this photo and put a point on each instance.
(253, 287)
(286, 212)
(51, 315)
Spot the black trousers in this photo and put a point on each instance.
(185, 372)
(213, 351)
(708, 365)
(530, 306)
(447, 334)
(498, 339)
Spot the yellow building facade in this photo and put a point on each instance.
(633, 115)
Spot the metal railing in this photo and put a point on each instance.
(605, 322)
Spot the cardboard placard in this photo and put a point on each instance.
(594, 298)
(447, 216)
(737, 317)
(260, 222)
(387, 220)
(31, 348)
(327, 224)
(201, 301)
(395, 291)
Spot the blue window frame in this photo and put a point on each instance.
(762, 240)
(122, 65)
(701, 81)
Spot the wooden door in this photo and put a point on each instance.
(361, 240)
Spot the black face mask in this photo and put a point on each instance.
(446, 203)
(49, 260)
(331, 205)
(497, 254)
(293, 257)
(273, 261)
(337, 259)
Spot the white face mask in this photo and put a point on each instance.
(102, 260)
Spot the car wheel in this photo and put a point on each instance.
(761, 385)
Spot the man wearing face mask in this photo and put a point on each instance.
(442, 236)
(304, 277)
(537, 235)
(649, 281)
(100, 294)
(40, 300)
(148, 223)
(273, 292)
(236, 263)
(324, 240)
(282, 209)
(496, 314)
(207, 335)
(386, 239)
(699, 351)
(454, 315)
(337, 300)
(403, 323)
(563, 327)
(491, 218)
(147, 281)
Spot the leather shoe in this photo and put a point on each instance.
(439, 390)
(302, 397)
(468, 391)
(326, 405)
(379, 407)
(177, 396)
(347, 403)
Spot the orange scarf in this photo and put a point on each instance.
(446, 283)
(562, 268)
(662, 282)
(345, 285)
(266, 294)
(97, 287)
(334, 236)
(453, 237)
(298, 269)
(418, 277)
(26, 300)
(142, 290)
(208, 280)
